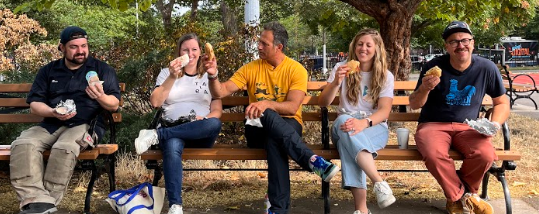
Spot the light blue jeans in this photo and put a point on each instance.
(370, 139)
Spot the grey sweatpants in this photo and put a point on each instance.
(29, 177)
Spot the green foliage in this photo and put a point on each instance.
(128, 129)
(11, 131)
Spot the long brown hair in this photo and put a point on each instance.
(378, 69)
(181, 40)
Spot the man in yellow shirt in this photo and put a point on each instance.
(276, 85)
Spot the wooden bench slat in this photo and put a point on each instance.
(32, 118)
(391, 152)
(25, 88)
(101, 149)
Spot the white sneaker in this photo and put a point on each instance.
(175, 209)
(384, 195)
(145, 139)
(359, 212)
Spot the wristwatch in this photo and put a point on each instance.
(370, 121)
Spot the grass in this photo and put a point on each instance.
(230, 188)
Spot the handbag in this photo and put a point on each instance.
(141, 199)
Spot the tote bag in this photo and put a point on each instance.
(141, 199)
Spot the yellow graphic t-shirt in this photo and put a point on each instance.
(264, 82)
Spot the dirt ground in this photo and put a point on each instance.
(229, 192)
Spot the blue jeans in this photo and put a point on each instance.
(172, 140)
(370, 139)
(281, 137)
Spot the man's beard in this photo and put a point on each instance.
(77, 61)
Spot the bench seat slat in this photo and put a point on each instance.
(228, 152)
(101, 149)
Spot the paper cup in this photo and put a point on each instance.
(402, 137)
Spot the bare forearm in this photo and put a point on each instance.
(501, 109)
(328, 94)
(160, 94)
(418, 98)
(109, 102)
(41, 109)
(286, 108)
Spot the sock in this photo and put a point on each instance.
(312, 160)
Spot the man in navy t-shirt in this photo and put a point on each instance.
(446, 102)
(77, 76)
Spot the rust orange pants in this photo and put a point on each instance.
(434, 140)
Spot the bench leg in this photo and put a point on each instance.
(153, 164)
(111, 169)
(499, 172)
(507, 195)
(484, 187)
(90, 187)
(325, 195)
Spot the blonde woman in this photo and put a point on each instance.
(361, 130)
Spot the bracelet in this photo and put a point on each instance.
(212, 77)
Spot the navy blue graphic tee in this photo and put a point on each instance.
(460, 94)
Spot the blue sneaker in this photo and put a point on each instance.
(325, 169)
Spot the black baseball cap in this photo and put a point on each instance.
(454, 27)
(71, 33)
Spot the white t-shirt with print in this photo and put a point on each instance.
(188, 93)
(365, 100)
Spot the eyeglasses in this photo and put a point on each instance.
(455, 43)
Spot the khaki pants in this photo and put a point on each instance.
(32, 182)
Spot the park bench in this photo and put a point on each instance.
(311, 112)
(516, 90)
(14, 109)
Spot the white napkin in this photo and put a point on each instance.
(254, 122)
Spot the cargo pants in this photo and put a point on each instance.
(32, 181)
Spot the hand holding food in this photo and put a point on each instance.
(354, 67)
(434, 71)
(92, 78)
(209, 51)
(183, 60)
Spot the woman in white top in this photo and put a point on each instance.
(361, 130)
(182, 92)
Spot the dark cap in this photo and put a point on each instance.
(71, 33)
(456, 26)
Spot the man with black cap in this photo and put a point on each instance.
(40, 188)
(446, 101)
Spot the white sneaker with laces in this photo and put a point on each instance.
(175, 209)
(384, 195)
(145, 139)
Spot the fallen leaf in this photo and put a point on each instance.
(232, 208)
(518, 184)
(261, 175)
(533, 192)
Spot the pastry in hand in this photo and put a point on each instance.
(209, 51)
(354, 67)
(183, 60)
(434, 71)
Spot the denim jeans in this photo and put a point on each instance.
(172, 140)
(281, 137)
(370, 139)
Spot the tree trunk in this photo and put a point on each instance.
(194, 10)
(166, 12)
(395, 20)
(229, 19)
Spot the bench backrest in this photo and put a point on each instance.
(402, 89)
(13, 99)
